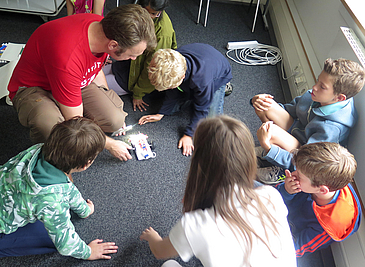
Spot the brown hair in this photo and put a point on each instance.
(73, 144)
(348, 77)
(128, 25)
(326, 163)
(224, 159)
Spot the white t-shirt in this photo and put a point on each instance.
(211, 240)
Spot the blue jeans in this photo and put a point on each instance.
(27, 240)
(216, 107)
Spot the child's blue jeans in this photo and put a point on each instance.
(216, 107)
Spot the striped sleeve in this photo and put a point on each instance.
(310, 239)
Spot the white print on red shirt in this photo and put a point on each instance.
(91, 71)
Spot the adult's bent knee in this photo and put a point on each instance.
(112, 124)
(41, 126)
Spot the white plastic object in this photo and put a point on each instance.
(141, 146)
(242, 44)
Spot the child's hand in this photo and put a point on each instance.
(150, 118)
(150, 235)
(140, 104)
(99, 249)
(262, 102)
(264, 135)
(292, 185)
(91, 206)
(186, 143)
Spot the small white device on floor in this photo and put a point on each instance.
(141, 146)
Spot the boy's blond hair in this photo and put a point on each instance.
(348, 76)
(325, 163)
(167, 69)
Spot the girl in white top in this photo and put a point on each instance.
(227, 220)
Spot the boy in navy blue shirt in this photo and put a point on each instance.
(195, 72)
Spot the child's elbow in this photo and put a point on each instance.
(163, 249)
(158, 254)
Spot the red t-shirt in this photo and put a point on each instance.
(57, 58)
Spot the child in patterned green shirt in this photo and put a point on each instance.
(37, 192)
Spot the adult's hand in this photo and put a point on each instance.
(99, 249)
(140, 104)
(123, 133)
(150, 118)
(118, 149)
(186, 143)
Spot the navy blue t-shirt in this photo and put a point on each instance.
(207, 70)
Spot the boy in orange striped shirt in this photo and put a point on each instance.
(323, 206)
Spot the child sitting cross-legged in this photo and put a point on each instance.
(323, 206)
(228, 220)
(326, 113)
(37, 194)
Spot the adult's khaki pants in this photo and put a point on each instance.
(39, 111)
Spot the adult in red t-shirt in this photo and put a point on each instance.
(59, 74)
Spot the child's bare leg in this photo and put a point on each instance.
(278, 115)
(268, 110)
(283, 139)
(270, 134)
(98, 7)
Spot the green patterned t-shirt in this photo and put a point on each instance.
(23, 201)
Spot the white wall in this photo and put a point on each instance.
(308, 32)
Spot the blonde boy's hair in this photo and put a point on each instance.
(348, 76)
(326, 163)
(167, 69)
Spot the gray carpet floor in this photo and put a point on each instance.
(130, 196)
